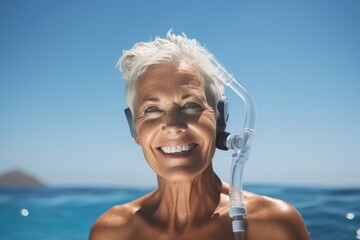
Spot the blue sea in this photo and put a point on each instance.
(68, 213)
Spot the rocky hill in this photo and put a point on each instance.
(19, 178)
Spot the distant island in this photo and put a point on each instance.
(19, 178)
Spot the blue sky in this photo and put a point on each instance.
(62, 101)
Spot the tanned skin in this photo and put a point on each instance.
(172, 109)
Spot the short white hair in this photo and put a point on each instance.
(174, 49)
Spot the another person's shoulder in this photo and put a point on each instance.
(115, 222)
(270, 218)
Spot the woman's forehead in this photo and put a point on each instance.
(170, 77)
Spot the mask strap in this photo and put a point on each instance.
(130, 120)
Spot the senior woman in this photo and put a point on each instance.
(173, 91)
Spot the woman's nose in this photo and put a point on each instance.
(174, 123)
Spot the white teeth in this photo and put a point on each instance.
(178, 149)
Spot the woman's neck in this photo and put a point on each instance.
(180, 204)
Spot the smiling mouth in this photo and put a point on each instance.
(177, 150)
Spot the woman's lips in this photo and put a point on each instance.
(177, 151)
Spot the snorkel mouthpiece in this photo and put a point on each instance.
(241, 145)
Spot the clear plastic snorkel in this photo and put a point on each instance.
(241, 145)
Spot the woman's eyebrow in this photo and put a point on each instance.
(191, 95)
(186, 96)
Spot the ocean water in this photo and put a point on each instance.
(68, 213)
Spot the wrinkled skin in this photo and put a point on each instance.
(171, 109)
(174, 112)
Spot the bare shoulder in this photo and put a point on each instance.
(115, 222)
(270, 218)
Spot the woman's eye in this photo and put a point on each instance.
(192, 105)
(151, 109)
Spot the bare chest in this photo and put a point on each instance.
(213, 230)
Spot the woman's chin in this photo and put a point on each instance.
(181, 174)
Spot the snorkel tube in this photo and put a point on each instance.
(241, 145)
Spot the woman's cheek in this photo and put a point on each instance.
(208, 125)
(147, 130)
(208, 119)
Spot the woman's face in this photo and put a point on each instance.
(175, 121)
